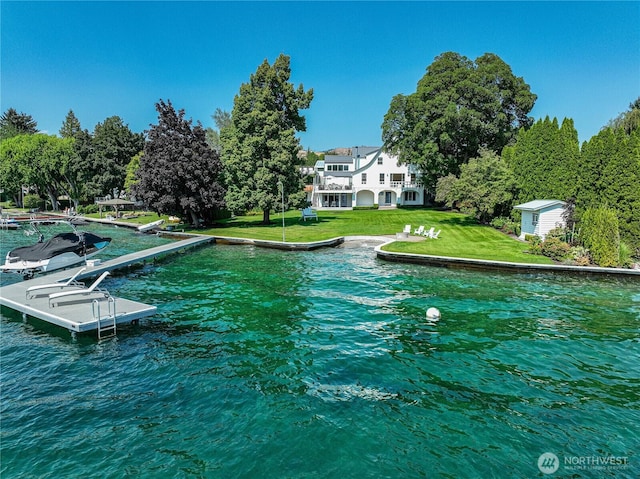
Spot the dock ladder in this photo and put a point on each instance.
(106, 324)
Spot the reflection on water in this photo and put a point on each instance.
(261, 363)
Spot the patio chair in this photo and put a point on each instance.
(309, 213)
(419, 231)
(71, 282)
(54, 298)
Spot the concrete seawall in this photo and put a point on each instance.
(430, 260)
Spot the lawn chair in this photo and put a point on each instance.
(429, 233)
(70, 283)
(407, 229)
(309, 213)
(435, 235)
(419, 231)
(80, 294)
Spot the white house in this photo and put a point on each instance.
(367, 177)
(540, 216)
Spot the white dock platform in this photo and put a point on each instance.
(85, 315)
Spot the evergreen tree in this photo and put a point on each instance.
(601, 235)
(13, 123)
(259, 147)
(70, 126)
(610, 174)
(112, 146)
(179, 174)
(544, 160)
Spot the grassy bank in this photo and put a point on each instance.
(460, 236)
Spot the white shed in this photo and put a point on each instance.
(540, 216)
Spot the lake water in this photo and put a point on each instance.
(322, 364)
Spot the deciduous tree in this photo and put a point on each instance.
(259, 147)
(40, 161)
(485, 188)
(459, 107)
(179, 174)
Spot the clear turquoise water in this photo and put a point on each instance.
(321, 364)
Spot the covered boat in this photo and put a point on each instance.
(60, 251)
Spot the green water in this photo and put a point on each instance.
(322, 364)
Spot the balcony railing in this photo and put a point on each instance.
(403, 184)
(332, 187)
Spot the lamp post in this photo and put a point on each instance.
(281, 186)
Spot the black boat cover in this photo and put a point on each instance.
(58, 244)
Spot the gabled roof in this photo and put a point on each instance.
(338, 159)
(536, 205)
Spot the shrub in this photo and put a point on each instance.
(31, 201)
(506, 225)
(580, 255)
(555, 248)
(534, 244)
(600, 234)
(88, 209)
(626, 260)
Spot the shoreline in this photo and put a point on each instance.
(414, 258)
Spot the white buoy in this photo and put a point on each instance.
(433, 314)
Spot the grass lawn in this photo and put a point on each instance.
(461, 236)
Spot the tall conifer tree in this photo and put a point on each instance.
(259, 146)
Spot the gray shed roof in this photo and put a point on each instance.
(537, 205)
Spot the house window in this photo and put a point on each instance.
(379, 160)
(382, 178)
(364, 178)
(534, 219)
(346, 167)
(410, 196)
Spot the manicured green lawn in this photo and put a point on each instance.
(460, 236)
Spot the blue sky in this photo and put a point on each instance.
(119, 58)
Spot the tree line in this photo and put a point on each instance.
(467, 128)
(178, 168)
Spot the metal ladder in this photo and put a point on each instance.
(107, 324)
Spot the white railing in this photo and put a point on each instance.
(403, 184)
(332, 187)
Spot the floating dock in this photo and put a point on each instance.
(88, 314)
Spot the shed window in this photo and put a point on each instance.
(534, 219)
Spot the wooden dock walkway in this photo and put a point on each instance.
(88, 315)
